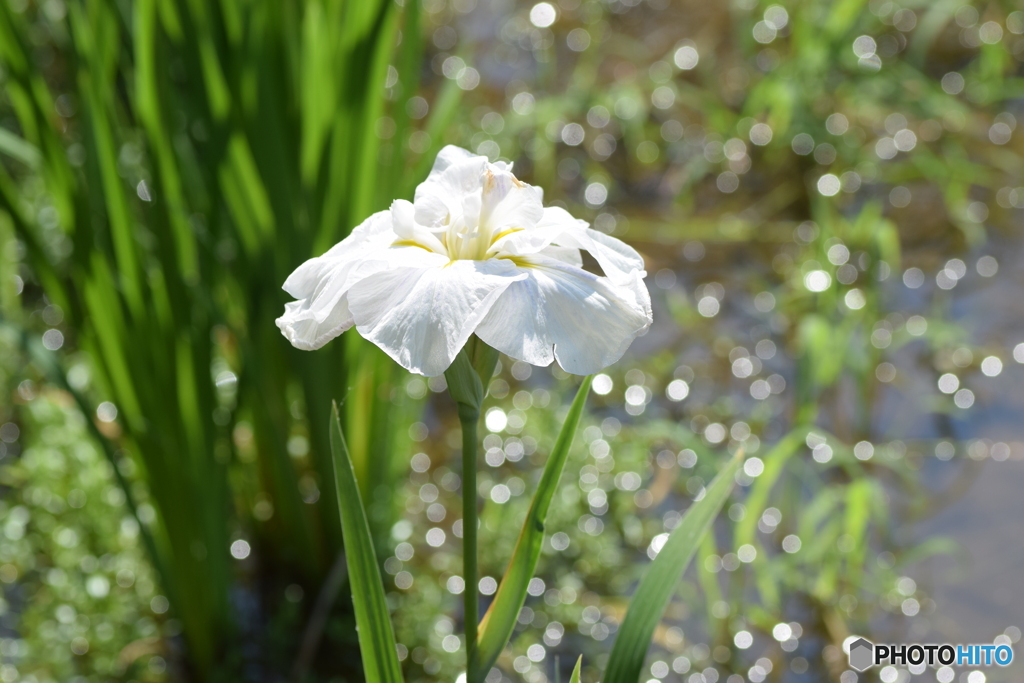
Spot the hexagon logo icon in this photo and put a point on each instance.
(861, 655)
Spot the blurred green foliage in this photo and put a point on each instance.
(819, 189)
(809, 183)
(79, 581)
(170, 164)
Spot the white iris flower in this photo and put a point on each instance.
(476, 252)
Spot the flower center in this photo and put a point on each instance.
(472, 243)
(470, 231)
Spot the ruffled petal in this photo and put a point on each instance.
(561, 312)
(408, 230)
(619, 261)
(300, 325)
(422, 315)
(448, 156)
(508, 203)
(564, 254)
(439, 199)
(373, 234)
(320, 284)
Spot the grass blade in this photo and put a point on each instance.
(658, 583)
(376, 638)
(17, 148)
(774, 462)
(859, 498)
(496, 627)
(576, 671)
(367, 149)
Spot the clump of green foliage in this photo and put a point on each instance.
(819, 189)
(78, 584)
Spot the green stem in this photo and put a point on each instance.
(467, 378)
(469, 417)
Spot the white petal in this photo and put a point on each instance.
(320, 284)
(619, 261)
(564, 254)
(449, 155)
(407, 229)
(403, 219)
(439, 199)
(372, 234)
(422, 316)
(561, 312)
(472, 201)
(509, 202)
(300, 326)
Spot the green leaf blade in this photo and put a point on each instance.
(19, 148)
(376, 637)
(658, 583)
(576, 671)
(500, 620)
(774, 463)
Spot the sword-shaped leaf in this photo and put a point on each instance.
(376, 638)
(496, 627)
(576, 671)
(657, 585)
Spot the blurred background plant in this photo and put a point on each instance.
(170, 164)
(827, 195)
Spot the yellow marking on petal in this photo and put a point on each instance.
(409, 243)
(505, 233)
(520, 261)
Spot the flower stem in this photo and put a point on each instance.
(469, 417)
(467, 377)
